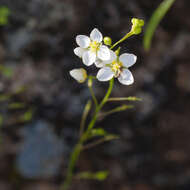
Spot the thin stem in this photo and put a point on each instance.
(84, 116)
(93, 96)
(90, 145)
(107, 94)
(100, 141)
(93, 121)
(74, 157)
(78, 148)
(122, 39)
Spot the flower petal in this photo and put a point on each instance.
(88, 58)
(126, 77)
(79, 51)
(128, 59)
(79, 74)
(83, 41)
(99, 63)
(105, 74)
(96, 35)
(113, 56)
(103, 53)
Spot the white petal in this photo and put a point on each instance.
(79, 74)
(113, 56)
(128, 59)
(104, 53)
(83, 41)
(79, 51)
(88, 58)
(126, 77)
(99, 63)
(96, 35)
(105, 74)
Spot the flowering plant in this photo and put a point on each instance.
(99, 51)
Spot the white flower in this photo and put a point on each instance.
(79, 74)
(91, 49)
(117, 67)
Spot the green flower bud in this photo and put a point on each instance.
(137, 30)
(137, 25)
(137, 22)
(107, 41)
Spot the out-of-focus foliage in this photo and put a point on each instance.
(6, 71)
(4, 14)
(27, 116)
(157, 16)
(1, 122)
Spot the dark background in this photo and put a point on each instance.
(153, 152)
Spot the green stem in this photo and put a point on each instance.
(78, 148)
(93, 121)
(74, 157)
(93, 96)
(122, 39)
(84, 116)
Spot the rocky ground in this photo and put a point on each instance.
(38, 132)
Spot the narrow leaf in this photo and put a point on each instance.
(157, 16)
(98, 132)
(100, 176)
(130, 98)
(115, 110)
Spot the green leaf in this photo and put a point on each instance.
(98, 132)
(130, 98)
(157, 16)
(100, 176)
(111, 137)
(117, 109)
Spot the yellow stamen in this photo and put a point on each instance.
(94, 46)
(116, 67)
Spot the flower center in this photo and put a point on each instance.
(116, 67)
(94, 46)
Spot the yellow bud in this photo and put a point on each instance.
(107, 41)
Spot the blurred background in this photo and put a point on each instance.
(41, 105)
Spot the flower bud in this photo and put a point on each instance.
(107, 41)
(79, 74)
(90, 82)
(137, 25)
